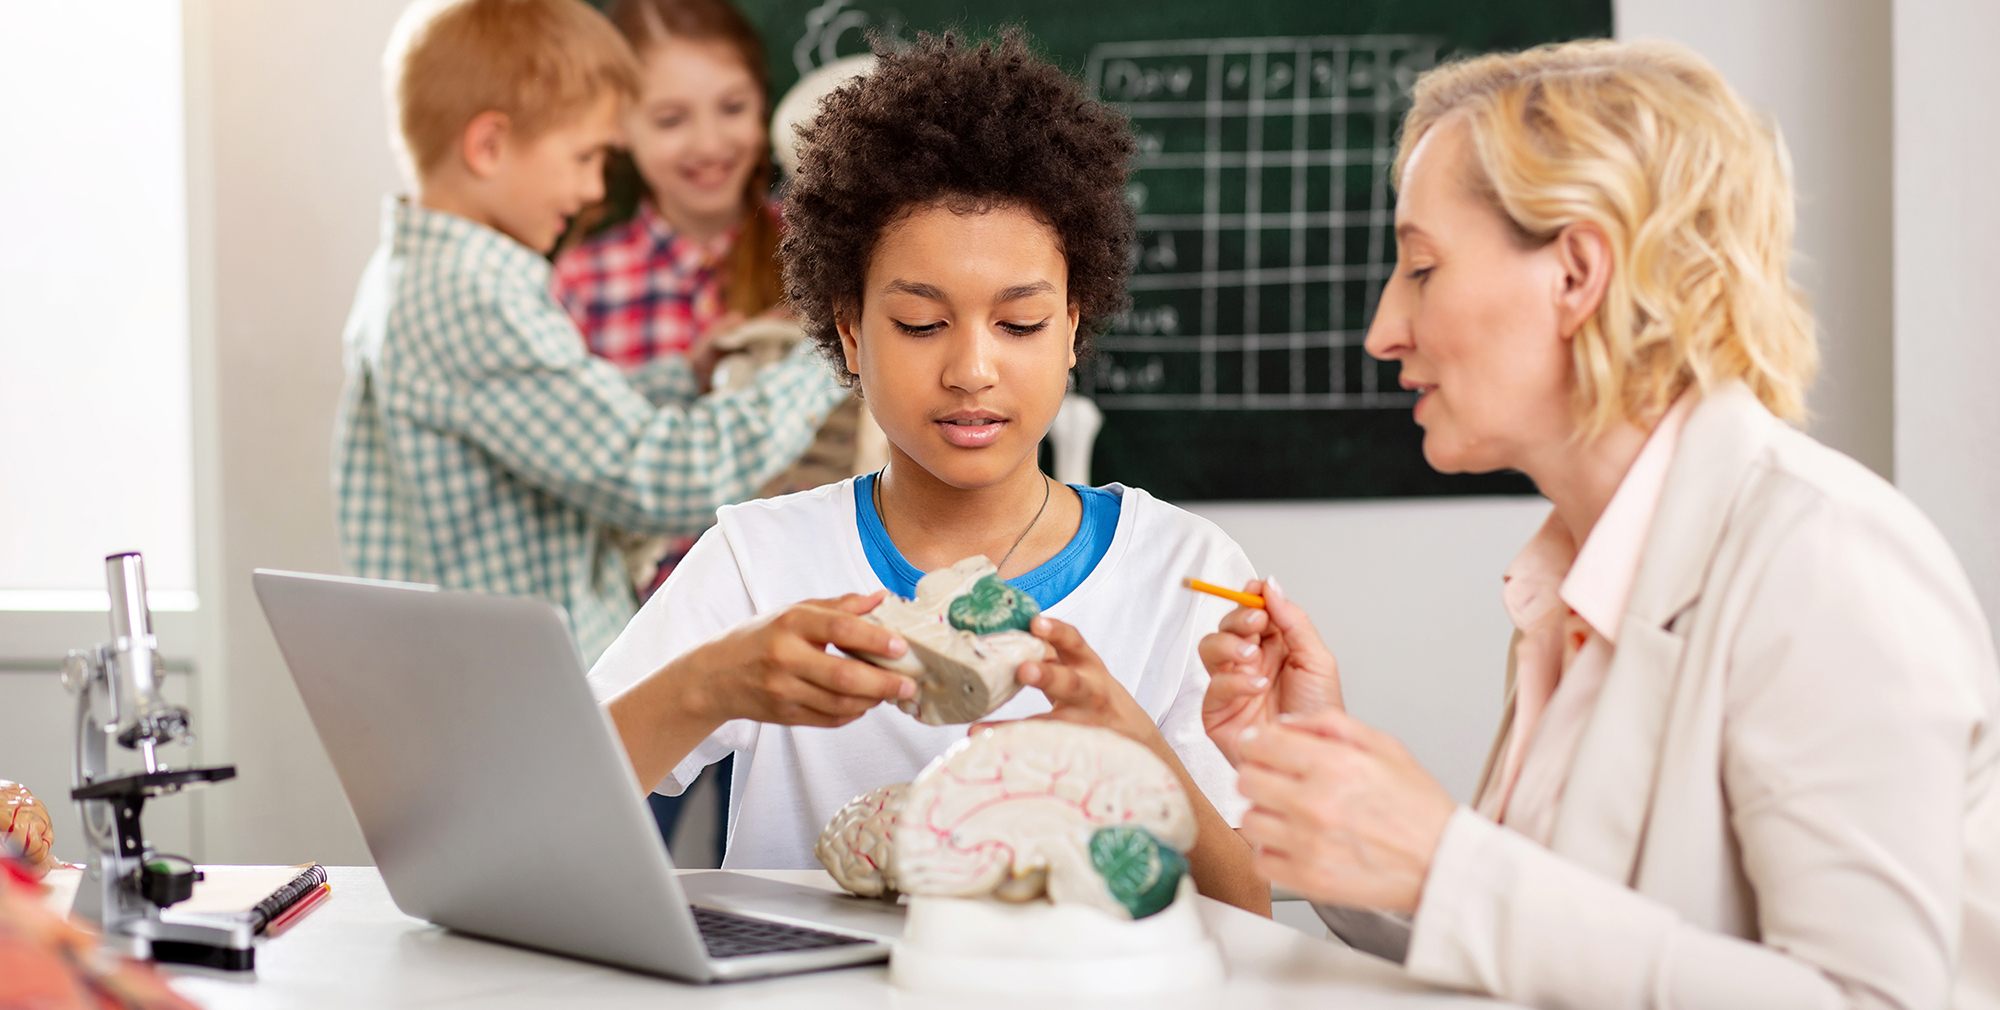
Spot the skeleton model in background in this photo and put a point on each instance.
(800, 106)
(967, 632)
(1040, 857)
(1073, 436)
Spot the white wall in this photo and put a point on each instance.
(1821, 69)
(93, 347)
(292, 162)
(1948, 275)
(1407, 594)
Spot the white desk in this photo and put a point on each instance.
(357, 950)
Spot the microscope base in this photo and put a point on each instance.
(205, 956)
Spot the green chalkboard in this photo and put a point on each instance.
(1265, 130)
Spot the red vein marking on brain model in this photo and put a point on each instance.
(1025, 797)
(857, 847)
(37, 836)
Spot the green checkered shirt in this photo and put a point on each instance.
(480, 447)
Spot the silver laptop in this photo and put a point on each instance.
(497, 800)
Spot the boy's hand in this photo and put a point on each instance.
(1263, 664)
(703, 354)
(1081, 689)
(775, 667)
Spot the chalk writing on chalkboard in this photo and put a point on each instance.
(1265, 219)
(1266, 130)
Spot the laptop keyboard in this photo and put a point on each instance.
(727, 935)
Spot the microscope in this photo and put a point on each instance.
(129, 888)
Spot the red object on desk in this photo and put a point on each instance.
(289, 916)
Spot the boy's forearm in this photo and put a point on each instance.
(667, 379)
(633, 464)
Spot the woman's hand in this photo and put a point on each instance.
(1263, 664)
(772, 668)
(1080, 689)
(1341, 812)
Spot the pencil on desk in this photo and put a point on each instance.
(1247, 599)
(290, 916)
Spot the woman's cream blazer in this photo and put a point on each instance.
(1795, 746)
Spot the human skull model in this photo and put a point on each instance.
(967, 633)
(1082, 814)
(858, 846)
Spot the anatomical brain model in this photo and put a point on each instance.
(857, 847)
(25, 823)
(1042, 806)
(1020, 811)
(967, 632)
(1038, 856)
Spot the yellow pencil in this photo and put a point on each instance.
(1247, 599)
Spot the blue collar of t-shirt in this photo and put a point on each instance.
(1048, 582)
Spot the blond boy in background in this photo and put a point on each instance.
(479, 445)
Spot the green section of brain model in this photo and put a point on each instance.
(1140, 871)
(992, 606)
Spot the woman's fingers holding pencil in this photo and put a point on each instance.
(1244, 620)
(1230, 652)
(1242, 674)
(1309, 676)
(1263, 663)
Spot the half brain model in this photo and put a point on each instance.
(1080, 814)
(24, 821)
(857, 847)
(967, 632)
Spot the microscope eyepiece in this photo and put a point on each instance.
(144, 717)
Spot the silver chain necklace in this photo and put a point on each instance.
(1048, 487)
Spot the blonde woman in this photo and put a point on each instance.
(1748, 754)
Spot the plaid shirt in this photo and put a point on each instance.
(641, 289)
(480, 447)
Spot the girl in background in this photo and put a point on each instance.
(684, 248)
(695, 254)
(698, 253)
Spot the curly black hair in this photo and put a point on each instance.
(944, 123)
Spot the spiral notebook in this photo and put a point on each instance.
(262, 892)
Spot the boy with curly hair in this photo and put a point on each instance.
(480, 445)
(956, 234)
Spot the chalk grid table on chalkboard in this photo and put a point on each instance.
(1265, 219)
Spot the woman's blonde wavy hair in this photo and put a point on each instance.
(1649, 143)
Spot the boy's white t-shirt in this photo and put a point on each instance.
(789, 781)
